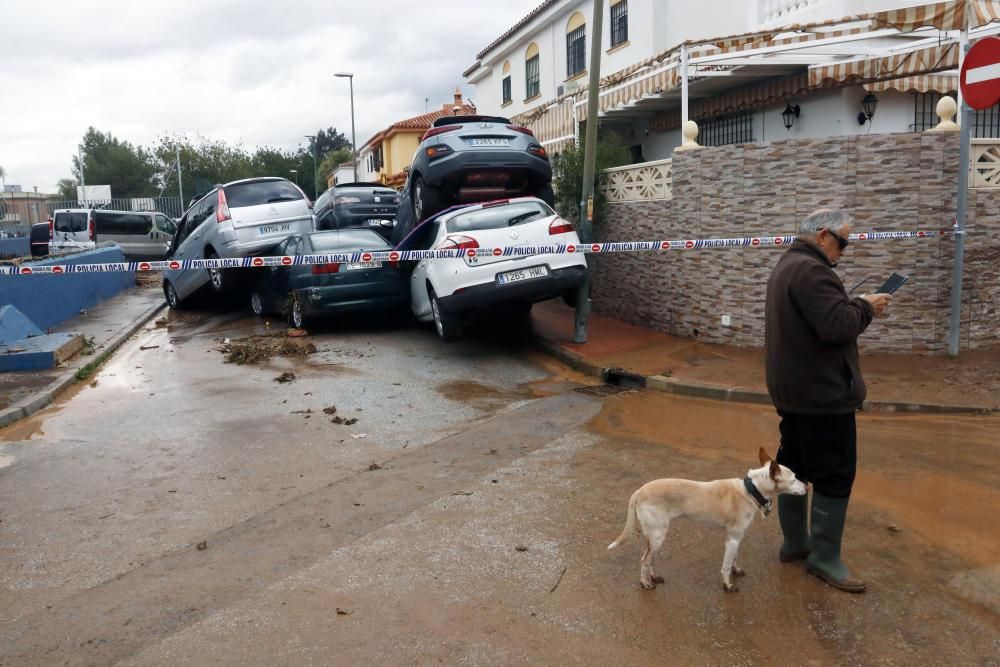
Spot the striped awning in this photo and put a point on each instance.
(751, 96)
(953, 15)
(552, 124)
(921, 61)
(921, 83)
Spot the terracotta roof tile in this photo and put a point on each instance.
(424, 121)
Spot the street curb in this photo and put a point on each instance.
(693, 389)
(45, 397)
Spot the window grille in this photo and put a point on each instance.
(985, 125)
(506, 90)
(576, 48)
(533, 78)
(723, 130)
(619, 23)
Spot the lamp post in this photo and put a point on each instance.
(312, 141)
(295, 175)
(354, 144)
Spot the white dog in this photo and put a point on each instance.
(729, 503)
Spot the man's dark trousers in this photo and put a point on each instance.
(821, 449)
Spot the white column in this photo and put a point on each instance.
(684, 84)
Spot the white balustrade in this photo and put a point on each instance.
(985, 164)
(638, 182)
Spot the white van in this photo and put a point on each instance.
(141, 235)
(72, 229)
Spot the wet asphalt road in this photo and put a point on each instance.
(462, 519)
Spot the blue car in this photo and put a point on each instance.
(306, 292)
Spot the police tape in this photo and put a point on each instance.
(391, 256)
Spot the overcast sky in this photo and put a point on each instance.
(258, 72)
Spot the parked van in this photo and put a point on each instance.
(141, 235)
(72, 229)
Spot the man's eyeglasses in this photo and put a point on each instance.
(841, 241)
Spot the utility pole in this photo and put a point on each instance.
(180, 187)
(83, 180)
(312, 142)
(589, 167)
(354, 143)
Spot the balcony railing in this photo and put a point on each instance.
(770, 11)
(638, 182)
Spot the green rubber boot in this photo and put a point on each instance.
(792, 517)
(828, 516)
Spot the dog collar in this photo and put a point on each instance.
(764, 503)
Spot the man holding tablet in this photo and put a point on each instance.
(815, 382)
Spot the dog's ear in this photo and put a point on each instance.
(775, 470)
(764, 458)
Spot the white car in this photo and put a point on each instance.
(238, 219)
(444, 290)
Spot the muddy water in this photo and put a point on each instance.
(934, 477)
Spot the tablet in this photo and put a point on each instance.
(894, 282)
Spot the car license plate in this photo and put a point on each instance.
(378, 223)
(522, 274)
(357, 266)
(265, 230)
(489, 141)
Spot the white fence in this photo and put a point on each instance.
(985, 164)
(638, 182)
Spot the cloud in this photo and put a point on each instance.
(256, 72)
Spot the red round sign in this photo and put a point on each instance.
(26, 270)
(497, 252)
(665, 245)
(980, 77)
(175, 265)
(571, 248)
(257, 261)
(755, 241)
(689, 244)
(595, 248)
(471, 252)
(393, 256)
(57, 269)
(286, 261)
(367, 257)
(144, 266)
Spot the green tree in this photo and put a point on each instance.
(332, 160)
(130, 170)
(204, 162)
(66, 189)
(328, 140)
(567, 176)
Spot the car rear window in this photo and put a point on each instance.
(498, 217)
(70, 222)
(255, 193)
(345, 240)
(381, 192)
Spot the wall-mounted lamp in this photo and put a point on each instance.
(868, 105)
(789, 115)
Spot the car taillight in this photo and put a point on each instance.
(458, 243)
(518, 128)
(536, 149)
(434, 131)
(52, 229)
(343, 199)
(92, 228)
(222, 210)
(321, 269)
(437, 151)
(560, 226)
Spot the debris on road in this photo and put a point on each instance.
(285, 377)
(520, 547)
(374, 466)
(553, 589)
(894, 528)
(297, 333)
(359, 435)
(255, 349)
(462, 493)
(202, 545)
(332, 410)
(346, 422)
(344, 612)
(160, 323)
(307, 411)
(148, 347)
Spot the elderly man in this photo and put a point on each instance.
(814, 379)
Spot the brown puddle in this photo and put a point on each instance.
(469, 391)
(934, 476)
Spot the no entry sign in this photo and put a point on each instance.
(980, 78)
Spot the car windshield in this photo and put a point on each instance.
(254, 193)
(346, 240)
(498, 217)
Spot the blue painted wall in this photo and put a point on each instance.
(15, 247)
(50, 299)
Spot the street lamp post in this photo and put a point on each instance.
(312, 140)
(354, 143)
(295, 175)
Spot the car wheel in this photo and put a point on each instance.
(173, 300)
(296, 313)
(447, 325)
(546, 194)
(256, 303)
(426, 200)
(217, 278)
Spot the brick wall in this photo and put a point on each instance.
(888, 182)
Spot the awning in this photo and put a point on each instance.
(751, 96)
(921, 61)
(921, 83)
(552, 124)
(951, 15)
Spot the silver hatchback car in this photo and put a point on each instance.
(238, 219)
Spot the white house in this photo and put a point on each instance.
(734, 66)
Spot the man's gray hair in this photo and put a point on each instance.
(824, 218)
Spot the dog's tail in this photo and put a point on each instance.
(630, 526)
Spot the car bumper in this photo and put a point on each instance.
(457, 164)
(557, 282)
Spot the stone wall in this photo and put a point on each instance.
(888, 182)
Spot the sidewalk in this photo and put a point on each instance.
(107, 325)
(905, 383)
